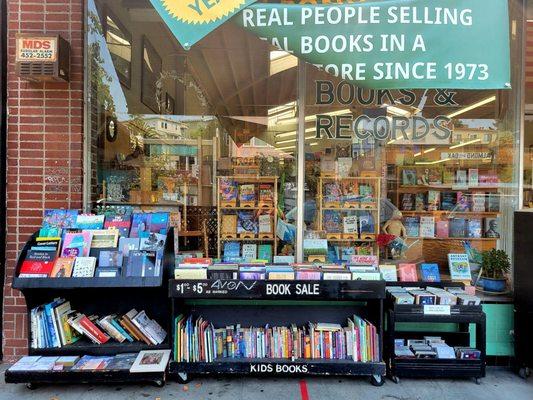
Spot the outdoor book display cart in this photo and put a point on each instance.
(462, 315)
(258, 303)
(97, 295)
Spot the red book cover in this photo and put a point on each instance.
(407, 273)
(93, 330)
(39, 268)
(208, 261)
(443, 229)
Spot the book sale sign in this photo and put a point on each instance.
(457, 44)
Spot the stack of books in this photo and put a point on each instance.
(197, 340)
(432, 347)
(55, 324)
(429, 296)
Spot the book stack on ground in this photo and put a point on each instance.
(197, 340)
(87, 245)
(432, 347)
(144, 361)
(55, 324)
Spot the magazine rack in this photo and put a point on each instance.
(462, 315)
(251, 303)
(99, 296)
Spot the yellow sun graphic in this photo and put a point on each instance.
(201, 11)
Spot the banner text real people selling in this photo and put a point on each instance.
(396, 44)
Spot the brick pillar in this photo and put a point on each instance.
(44, 145)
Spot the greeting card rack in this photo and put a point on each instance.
(100, 296)
(462, 315)
(231, 202)
(279, 303)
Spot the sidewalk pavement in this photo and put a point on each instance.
(499, 384)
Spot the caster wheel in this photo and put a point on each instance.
(183, 378)
(31, 386)
(395, 379)
(478, 381)
(377, 380)
(524, 372)
(159, 383)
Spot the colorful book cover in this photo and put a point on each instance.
(407, 272)
(457, 227)
(246, 222)
(139, 225)
(125, 245)
(427, 227)
(408, 202)
(90, 221)
(76, 244)
(449, 199)
(154, 242)
(232, 251)
(492, 228)
(266, 193)
(344, 166)
(364, 261)
(412, 226)
(350, 192)
(108, 258)
(158, 222)
(264, 252)
(430, 272)
(408, 177)
(443, 229)
(461, 177)
(435, 176)
(249, 252)
(349, 224)
(63, 267)
(62, 219)
(493, 202)
(462, 202)
(420, 202)
(473, 177)
(433, 200)
(37, 269)
(459, 267)
(332, 192)
(84, 267)
(265, 223)
(228, 189)
(247, 192)
(332, 221)
(366, 223)
(389, 272)
(478, 202)
(120, 222)
(474, 228)
(448, 176)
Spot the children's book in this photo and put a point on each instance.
(332, 221)
(427, 227)
(407, 272)
(420, 202)
(349, 224)
(388, 272)
(433, 200)
(366, 223)
(158, 222)
(76, 244)
(264, 252)
(247, 192)
(90, 221)
(265, 223)
(266, 193)
(246, 222)
(462, 202)
(120, 222)
(474, 227)
(63, 267)
(332, 192)
(228, 190)
(430, 272)
(459, 267)
(408, 177)
(62, 219)
(139, 225)
(412, 226)
(232, 251)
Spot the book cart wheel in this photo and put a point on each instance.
(31, 386)
(159, 383)
(183, 378)
(478, 381)
(377, 380)
(395, 379)
(524, 372)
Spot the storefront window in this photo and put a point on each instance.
(208, 134)
(212, 135)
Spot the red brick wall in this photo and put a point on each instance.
(44, 144)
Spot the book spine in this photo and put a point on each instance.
(86, 323)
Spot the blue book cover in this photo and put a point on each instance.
(139, 226)
(158, 222)
(264, 252)
(430, 272)
(49, 310)
(121, 330)
(232, 250)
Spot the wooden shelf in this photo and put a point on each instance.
(248, 240)
(246, 208)
(348, 209)
(444, 212)
(447, 187)
(352, 240)
(451, 238)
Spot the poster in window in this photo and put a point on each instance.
(151, 71)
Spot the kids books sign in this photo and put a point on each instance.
(191, 20)
(391, 44)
